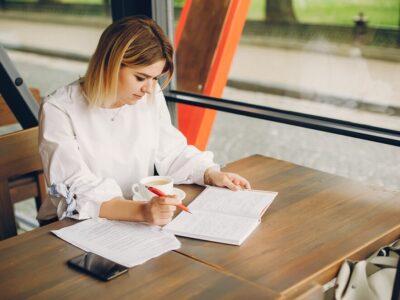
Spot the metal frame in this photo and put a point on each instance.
(163, 14)
(360, 131)
(16, 93)
(124, 8)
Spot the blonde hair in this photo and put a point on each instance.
(131, 42)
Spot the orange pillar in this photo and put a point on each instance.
(196, 123)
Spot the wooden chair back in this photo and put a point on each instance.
(6, 115)
(21, 175)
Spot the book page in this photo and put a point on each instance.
(126, 243)
(212, 227)
(244, 203)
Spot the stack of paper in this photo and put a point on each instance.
(126, 243)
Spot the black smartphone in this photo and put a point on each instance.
(98, 266)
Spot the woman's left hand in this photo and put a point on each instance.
(223, 179)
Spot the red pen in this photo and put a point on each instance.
(161, 194)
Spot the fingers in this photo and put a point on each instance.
(247, 185)
(230, 184)
(166, 215)
(242, 182)
(168, 200)
(233, 181)
(160, 210)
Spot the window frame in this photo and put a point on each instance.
(355, 130)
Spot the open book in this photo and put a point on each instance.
(221, 215)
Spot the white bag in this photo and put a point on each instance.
(370, 279)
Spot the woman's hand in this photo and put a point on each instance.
(160, 210)
(223, 179)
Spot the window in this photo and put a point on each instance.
(51, 43)
(329, 59)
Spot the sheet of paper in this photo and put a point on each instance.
(126, 243)
(240, 203)
(212, 226)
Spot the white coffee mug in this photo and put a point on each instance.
(163, 183)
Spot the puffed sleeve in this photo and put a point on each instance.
(73, 188)
(174, 157)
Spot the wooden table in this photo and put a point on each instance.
(316, 221)
(33, 265)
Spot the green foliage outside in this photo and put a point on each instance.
(101, 2)
(380, 13)
(179, 3)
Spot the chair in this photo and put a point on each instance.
(6, 115)
(21, 175)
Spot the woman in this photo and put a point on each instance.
(103, 133)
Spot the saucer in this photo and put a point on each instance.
(180, 194)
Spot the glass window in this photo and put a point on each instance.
(234, 137)
(50, 42)
(336, 59)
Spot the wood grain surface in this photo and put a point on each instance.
(20, 175)
(19, 153)
(316, 221)
(33, 265)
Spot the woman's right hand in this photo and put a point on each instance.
(160, 210)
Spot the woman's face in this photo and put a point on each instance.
(134, 83)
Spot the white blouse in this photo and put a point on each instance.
(91, 155)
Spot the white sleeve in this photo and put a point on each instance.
(175, 158)
(68, 176)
